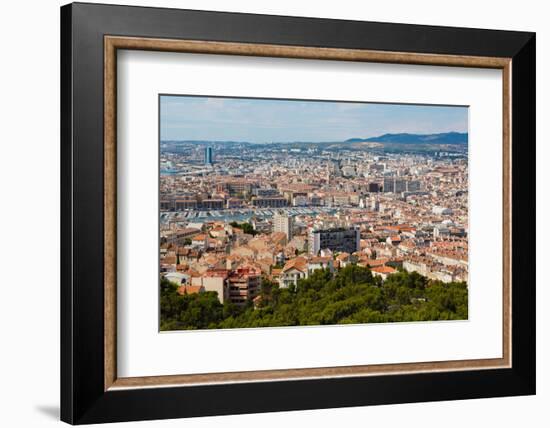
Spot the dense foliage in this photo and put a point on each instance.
(350, 296)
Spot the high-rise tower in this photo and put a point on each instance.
(208, 159)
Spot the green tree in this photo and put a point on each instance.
(350, 296)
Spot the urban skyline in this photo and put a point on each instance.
(311, 233)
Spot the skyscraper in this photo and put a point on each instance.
(208, 160)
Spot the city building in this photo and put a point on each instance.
(319, 262)
(413, 186)
(212, 204)
(336, 171)
(293, 271)
(236, 286)
(283, 223)
(215, 280)
(244, 285)
(186, 204)
(382, 271)
(234, 203)
(400, 185)
(265, 192)
(179, 237)
(348, 171)
(389, 185)
(441, 210)
(338, 239)
(166, 205)
(208, 158)
(374, 187)
(269, 202)
(236, 186)
(300, 201)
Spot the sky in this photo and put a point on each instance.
(273, 120)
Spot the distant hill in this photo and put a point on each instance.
(446, 138)
(443, 138)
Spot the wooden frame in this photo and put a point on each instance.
(113, 43)
(507, 56)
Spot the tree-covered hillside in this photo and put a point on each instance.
(350, 296)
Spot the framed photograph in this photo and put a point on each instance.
(267, 213)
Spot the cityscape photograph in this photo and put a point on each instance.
(281, 212)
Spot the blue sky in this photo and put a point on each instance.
(266, 120)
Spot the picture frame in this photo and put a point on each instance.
(91, 35)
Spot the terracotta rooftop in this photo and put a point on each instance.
(223, 273)
(299, 263)
(383, 269)
(320, 259)
(190, 289)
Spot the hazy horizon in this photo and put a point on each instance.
(297, 141)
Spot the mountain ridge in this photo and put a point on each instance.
(447, 138)
(409, 138)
